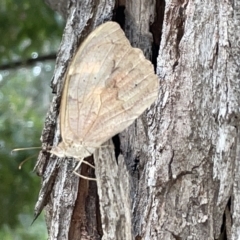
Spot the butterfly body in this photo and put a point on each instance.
(77, 151)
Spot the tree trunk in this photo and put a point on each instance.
(177, 169)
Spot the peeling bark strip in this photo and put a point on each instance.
(113, 189)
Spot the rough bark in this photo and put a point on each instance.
(181, 178)
(185, 188)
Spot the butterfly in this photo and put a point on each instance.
(107, 86)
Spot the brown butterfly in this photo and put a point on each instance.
(107, 86)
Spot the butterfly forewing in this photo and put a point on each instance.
(108, 85)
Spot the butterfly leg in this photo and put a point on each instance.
(89, 164)
(78, 166)
(87, 178)
(82, 161)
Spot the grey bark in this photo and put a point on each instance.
(189, 174)
(178, 174)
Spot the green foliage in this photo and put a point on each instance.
(24, 98)
(27, 26)
(25, 230)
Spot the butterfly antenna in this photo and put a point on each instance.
(20, 165)
(23, 149)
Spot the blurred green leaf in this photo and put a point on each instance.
(25, 230)
(27, 26)
(24, 100)
(28, 29)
